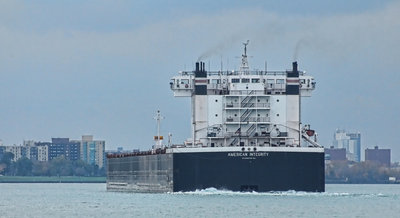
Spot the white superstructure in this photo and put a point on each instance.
(245, 107)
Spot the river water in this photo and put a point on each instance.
(92, 200)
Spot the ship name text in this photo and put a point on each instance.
(248, 154)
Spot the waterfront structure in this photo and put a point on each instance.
(335, 154)
(93, 151)
(349, 141)
(379, 155)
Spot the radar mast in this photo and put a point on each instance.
(245, 64)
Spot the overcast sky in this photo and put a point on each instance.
(69, 68)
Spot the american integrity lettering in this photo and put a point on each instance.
(248, 154)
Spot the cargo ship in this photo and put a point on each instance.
(246, 136)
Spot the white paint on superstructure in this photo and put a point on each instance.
(246, 107)
(215, 111)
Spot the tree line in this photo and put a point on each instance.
(361, 172)
(57, 167)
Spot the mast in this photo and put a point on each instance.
(245, 64)
(158, 118)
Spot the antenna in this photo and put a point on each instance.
(169, 139)
(245, 47)
(221, 64)
(265, 66)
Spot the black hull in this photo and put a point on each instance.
(236, 171)
(279, 171)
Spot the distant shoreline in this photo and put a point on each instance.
(51, 179)
(359, 183)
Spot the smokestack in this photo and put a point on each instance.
(202, 66)
(295, 67)
(200, 70)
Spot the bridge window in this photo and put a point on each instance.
(255, 80)
(280, 81)
(245, 80)
(185, 81)
(215, 81)
(235, 80)
(270, 81)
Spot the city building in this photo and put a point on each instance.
(64, 147)
(43, 150)
(28, 143)
(93, 151)
(18, 151)
(89, 150)
(31, 152)
(349, 141)
(378, 155)
(335, 154)
(1, 151)
(35, 152)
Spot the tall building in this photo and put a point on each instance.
(43, 150)
(64, 147)
(381, 156)
(2, 148)
(93, 151)
(349, 141)
(30, 151)
(18, 151)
